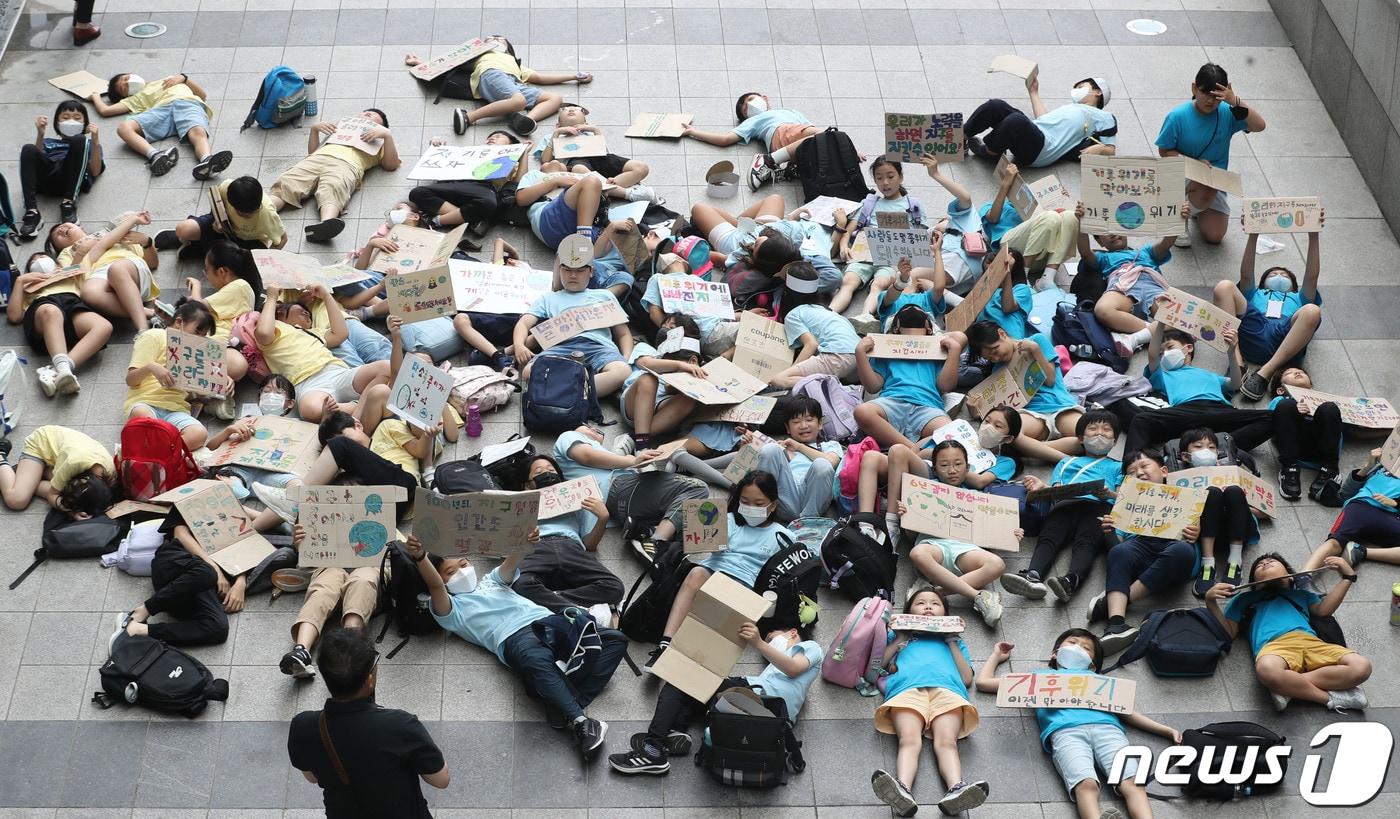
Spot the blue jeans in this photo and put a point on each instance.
(794, 501)
(364, 346)
(564, 699)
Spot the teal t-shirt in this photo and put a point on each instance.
(926, 662)
(1274, 615)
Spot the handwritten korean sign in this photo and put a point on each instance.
(577, 320)
(822, 210)
(889, 245)
(1013, 384)
(1134, 196)
(1390, 452)
(724, 383)
(492, 288)
(694, 296)
(909, 137)
(1372, 413)
(1198, 317)
(223, 528)
(476, 523)
(760, 347)
(196, 363)
(755, 410)
(351, 131)
(346, 526)
(1258, 493)
(1297, 214)
(418, 248)
(278, 445)
(1074, 689)
(988, 287)
(281, 269)
(937, 509)
(566, 497)
(420, 295)
(463, 53)
(450, 163)
(578, 147)
(706, 526)
(1155, 509)
(420, 392)
(908, 348)
(926, 624)
(745, 460)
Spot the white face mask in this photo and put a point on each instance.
(134, 84)
(1204, 457)
(989, 436)
(1072, 658)
(272, 403)
(755, 106)
(1173, 359)
(1097, 444)
(780, 642)
(398, 216)
(44, 265)
(1079, 92)
(463, 581)
(69, 127)
(1279, 283)
(753, 515)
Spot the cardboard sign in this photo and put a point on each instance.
(658, 126)
(578, 320)
(1372, 413)
(1050, 193)
(282, 269)
(346, 526)
(418, 248)
(822, 210)
(1218, 178)
(707, 644)
(566, 497)
(420, 392)
(909, 137)
(420, 295)
(223, 528)
(1390, 452)
(196, 363)
(278, 444)
(1069, 491)
(706, 526)
(908, 348)
(1259, 493)
(935, 508)
(1134, 196)
(579, 146)
(927, 625)
(1012, 384)
(351, 132)
(218, 209)
(1155, 509)
(724, 383)
(463, 53)
(752, 411)
(1017, 67)
(1296, 214)
(663, 454)
(1072, 689)
(987, 287)
(81, 84)
(761, 348)
(451, 163)
(476, 523)
(1200, 318)
(745, 460)
(889, 245)
(186, 490)
(39, 282)
(130, 507)
(1020, 196)
(978, 459)
(859, 250)
(892, 219)
(494, 288)
(694, 296)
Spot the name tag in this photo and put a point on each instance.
(1275, 309)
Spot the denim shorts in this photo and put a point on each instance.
(437, 337)
(1143, 293)
(606, 275)
(1079, 751)
(1261, 336)
(169, 120)
(909, 419)
(496, 85)
(554, 220)
(716, 435)
(177, 418)
(595, 355)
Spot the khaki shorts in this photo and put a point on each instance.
(332, 180)
(1303, 652)
(358, 589)
(927, 703)
(841, 365)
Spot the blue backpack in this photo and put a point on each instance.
(281, 99)
(560, 395)
(1076, 328)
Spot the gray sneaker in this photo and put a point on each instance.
(1348, 699)
(892, 792)
(1353, 553)
(1254, 386)
(1116, 638)
(1024, 584)
(987, 603)
(963, 796)
(276, 499)
(1280, 701)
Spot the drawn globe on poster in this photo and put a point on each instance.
(708, 512)
(497, 168)
(1207, 333)
(368, 537)
(1130, 215)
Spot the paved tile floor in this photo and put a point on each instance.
(61, 757)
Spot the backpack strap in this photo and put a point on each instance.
(1139, 647)
(40, 555)
(330, 751)
(257, 103)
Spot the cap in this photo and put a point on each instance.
(575, 251)
(696, 252)
(1100, 83)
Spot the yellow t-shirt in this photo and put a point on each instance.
(500, 61)
(150, 349)
(72, 285)
(114, 254)
(154, 95)
(390, 442)
(263, 226)
(67, 451)
(357, 159)
(298, 354)
(228, 303)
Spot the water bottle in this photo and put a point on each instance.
(1395, 605)
(473, 421)
(311, 106)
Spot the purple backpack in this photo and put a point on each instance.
(838, 402)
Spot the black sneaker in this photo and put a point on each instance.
(676, 743)
(31, 224)
(1117, 637)
(500, 362)
(637, 762)
(167, 240)
(460, 121)
(1232, 574)
(161, 163)
(1324, 476)
(68, 212)
(6, 446)
(589, 734)
(1331, 495)
(1098, 607)
(325, 231)
(1063, 587)
(297, 663)
(645, 549)
(1025, 584)
(211, 165)
(1254, 386)
(521, 124)
(1204, 582)
(964, 796)
(653, 657)
(1290, 482)
(979, 149)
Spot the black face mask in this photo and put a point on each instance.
(547, 479)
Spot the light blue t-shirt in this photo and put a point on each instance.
(1016, 322)
(1110, 260)
(1050, 398)
(793, 690)
(1083, 468)
(833, 332)
(1292, 301)
(652, 298)
(1188, 383)
(1069, 125)
(536, 208)
(640, 351)
(910, 381)
(1380, 482)
(566, 525)
(961, 268)
(553, 303)
(490, 614)
(1201, 136)
(1004, 469)
(1053, 719)
(799, 464)
(1009, 219)
(763, 125)
(926, 662)
(1274, 615)
(573, 469)
(749, 548)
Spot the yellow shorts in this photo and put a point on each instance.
(927, 703)
(1302, 651)
(332, 180)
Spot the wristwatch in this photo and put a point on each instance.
(1350, 578)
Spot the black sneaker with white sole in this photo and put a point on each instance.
(1098, 607)
(460, 121)
(892, 792)
(1063, 587)
(325, 231)
(297, 663)
(1117, 637)
(167, 240)
(68, 212)
(161, 163)
(521, 124)
(1024, 584)
(676, 743)
(211, 165)
(963, 796)
(31, 223)
(589, 734)
(637, 762)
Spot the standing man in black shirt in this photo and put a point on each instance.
(366, 758)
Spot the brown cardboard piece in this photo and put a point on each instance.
(988, 287)
(1155, 509)
(761, 348)
(81, 84)
(944, 511)
(346, 526)
(707, 645)
(418, 249)
(421, 294)
(1066, 689)
(578, 147)
(658, 126)
(223, 528)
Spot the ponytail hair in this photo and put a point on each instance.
(239, 261)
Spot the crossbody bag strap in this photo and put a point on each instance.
(330, 752)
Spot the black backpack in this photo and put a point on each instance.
(1178, 643)
(400, 585)
(66, 538)
(145, 671)
(793, 572)
(829, 165)
(458, 477)
(1076, 328)
(644, 616)
(559, 396)
(508, 471)
(858, 565)
(750, 750)
(456, 84)
(1220, 736)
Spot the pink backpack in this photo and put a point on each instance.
(480, 385)
(853, 661)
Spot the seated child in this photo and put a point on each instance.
(69, 469)
(238, 289)
(803, 464)
(910, 393)
(626, 174)
(890, 197)
(150, 386)
(252, 222)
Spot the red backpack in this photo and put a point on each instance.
(153, 458)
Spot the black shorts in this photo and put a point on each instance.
(609, 166)
(1366, 523)
(70, 305)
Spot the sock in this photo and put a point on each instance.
(663, 642)
(363, 313)
(63, 363)
(584, 230)
(653, 749)
(1141, 337)
(779, 156)
(151, 153)
(1117, 620)
(206, 156)
(892, 522)
(1237, 554)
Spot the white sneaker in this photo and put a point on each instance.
(1346, 700)
(602, 614)
(275, 498)
(987, 603)
(225, 409)
(759, 172)
(639, 192)
(624, 445)
(48, 380)
(1123, 343)
(865, 324)
(953, 402)
(66, 382)
(1280, 701)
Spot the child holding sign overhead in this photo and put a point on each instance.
(910, 393)
(1083, 741)
(1132, 282)
(150, 384)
